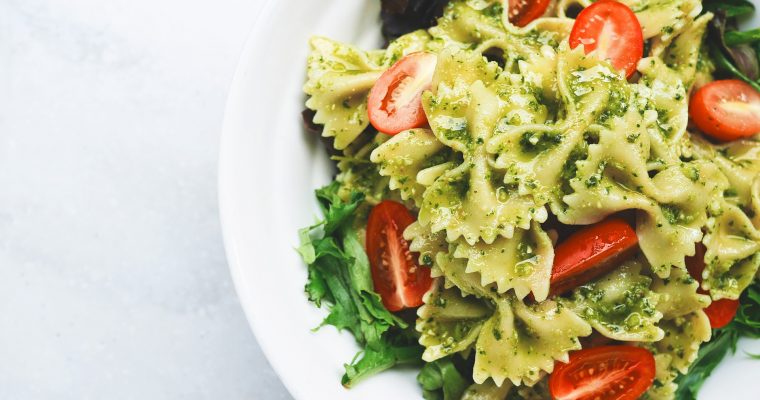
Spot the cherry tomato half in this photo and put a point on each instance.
(719, 312)
(612, 30)
(397, 277)
(590, 253)
(523, 12)
(395, 102)
(607, 372)
(726, 110)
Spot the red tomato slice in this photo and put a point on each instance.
(604, 373)
(398, 279)
(395, 102)
(590, 253)
(523, 12)
(719, 312)
(613, 31)
(726, 110)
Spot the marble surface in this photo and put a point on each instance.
(113, 279)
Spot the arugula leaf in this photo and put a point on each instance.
(733, 8)
(734, 38)
(337, 213)
(745, 324)
(377, 359)
(710, 355)
(306, 249)
(339, 274)
(339, 271)
(747, 319)
(316, 288)
(441, 380)
(361, 280)
(724, 63)
(740, 61)
(331, 264)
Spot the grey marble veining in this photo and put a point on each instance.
(113, 279)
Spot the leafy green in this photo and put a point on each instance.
(747, 319)
(306, 249)
(337, 214)
(441, 380)
(734, 38)
(339, 274)
(725, 64)
(740, 61)
(746, 323)
(398, 347)
(733, 8)
(710, 355)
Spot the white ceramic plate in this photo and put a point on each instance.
(269, 169)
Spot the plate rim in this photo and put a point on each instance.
(225, 190)
(226, 208)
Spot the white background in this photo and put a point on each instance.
(113, 279)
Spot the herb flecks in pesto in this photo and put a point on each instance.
(536, 142)
(675, 215)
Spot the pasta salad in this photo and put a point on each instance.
(540, 199)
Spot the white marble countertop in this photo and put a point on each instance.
(113, 279)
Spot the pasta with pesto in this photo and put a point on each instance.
(526, 142)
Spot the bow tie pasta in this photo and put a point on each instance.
(525, 137)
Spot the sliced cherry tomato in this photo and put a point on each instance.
(613, 31)
(399, 280)
(395, 102)
(605, 373)
(590, 253)
(719, 312)
(523, 12)
(726, 110)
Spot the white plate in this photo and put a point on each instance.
(269, 169)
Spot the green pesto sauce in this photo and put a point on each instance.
(675, 215)
(629, 313)
(461, 186)
(570, 169)
(442, 156)
(537, 142)
(597, 176)
(494, 12)
(450, 334)
(617, 106)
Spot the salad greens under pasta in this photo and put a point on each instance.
(526, 134)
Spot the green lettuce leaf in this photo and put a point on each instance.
(396, 348)
(337, 213)
(339, 275)
(740, 61)
(745, 324)
(733, 8)
(734, 38)
(441, 380)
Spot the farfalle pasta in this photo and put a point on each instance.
(527, 140)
